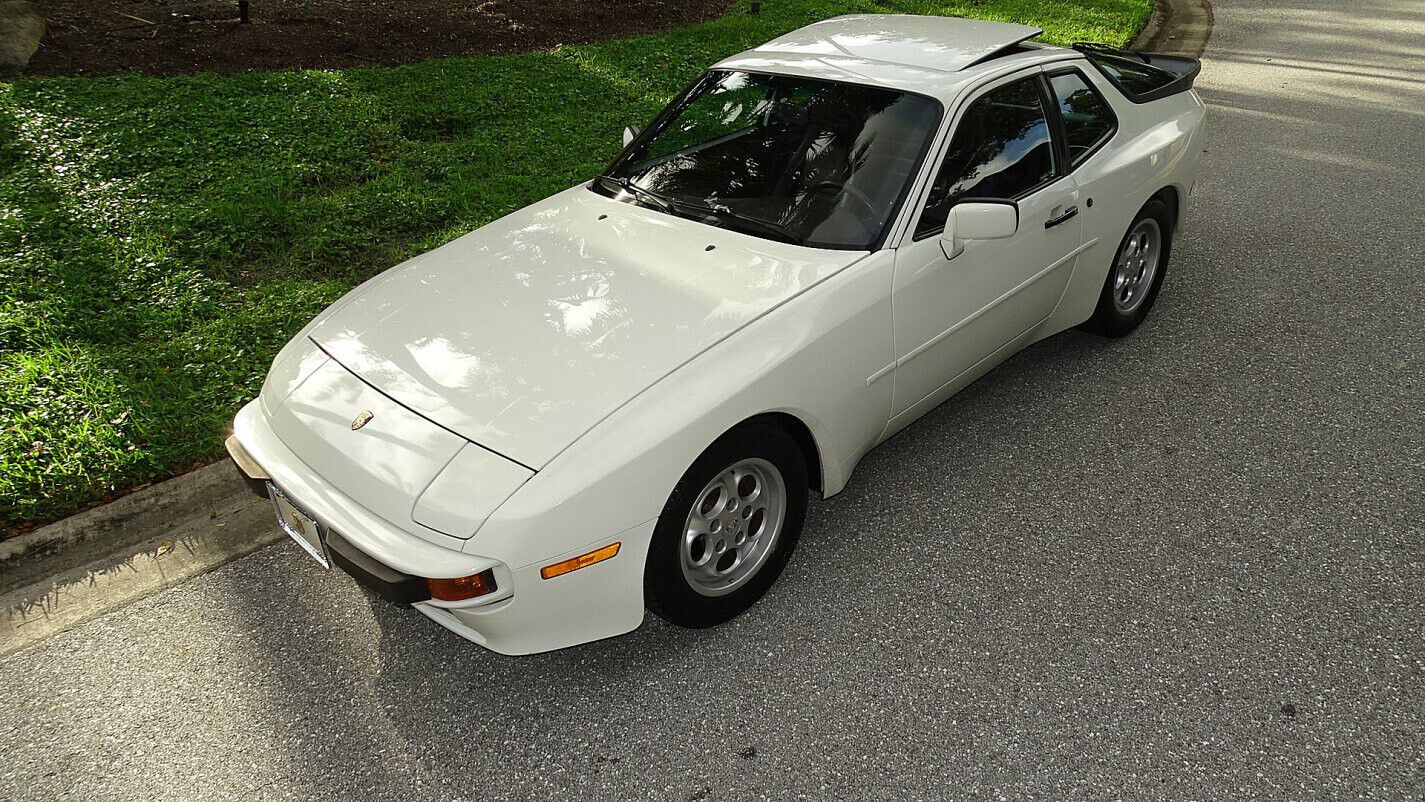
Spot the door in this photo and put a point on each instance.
(952, 312)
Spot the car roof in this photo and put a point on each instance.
(934, 56)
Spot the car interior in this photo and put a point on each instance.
(826, 162)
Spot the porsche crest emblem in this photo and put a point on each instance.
(362, 419)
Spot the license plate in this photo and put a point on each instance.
(300, 526)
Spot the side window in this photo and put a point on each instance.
(1001, 149)
(1088, 121)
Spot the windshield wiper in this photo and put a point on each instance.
(648, 195)
(684, 208)
(776, 230)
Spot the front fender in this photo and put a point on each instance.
(812, 357)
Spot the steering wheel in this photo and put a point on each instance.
(873, 213)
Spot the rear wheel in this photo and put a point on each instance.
(1137, 273)
(728, 528)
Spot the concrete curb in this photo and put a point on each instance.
(172, 509)
(1176, 27)
(22, 26)
(101, 559)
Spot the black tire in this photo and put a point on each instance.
(667, 591)
(1108, 319)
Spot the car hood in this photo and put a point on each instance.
(522, 335)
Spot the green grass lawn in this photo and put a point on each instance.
(160, 238)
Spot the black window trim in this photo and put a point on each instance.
(1058, 122)
(1050, 109)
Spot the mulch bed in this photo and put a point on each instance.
(99, 37)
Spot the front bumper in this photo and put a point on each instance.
(526, 614)
(251, 473)
(381, 579)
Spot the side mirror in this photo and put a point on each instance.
(630, 133)
(971, 219)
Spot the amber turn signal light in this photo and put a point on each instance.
(462, 587)
(574, 564)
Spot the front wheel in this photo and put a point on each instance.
(1137, 273)
(728, 528)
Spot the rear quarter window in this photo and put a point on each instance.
(1088, 120)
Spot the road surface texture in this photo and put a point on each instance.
(1183, 565)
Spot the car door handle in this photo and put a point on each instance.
(1068, 214)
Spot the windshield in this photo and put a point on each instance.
(818, 163)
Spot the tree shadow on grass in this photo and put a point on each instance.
(170, 235)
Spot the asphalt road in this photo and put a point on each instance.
(1185, 565)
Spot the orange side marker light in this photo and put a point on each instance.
(582, 561)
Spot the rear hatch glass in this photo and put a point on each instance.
(1142, 77)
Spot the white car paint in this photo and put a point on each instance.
(593, 300)
(540, 384)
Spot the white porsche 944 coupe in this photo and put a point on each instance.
(619, 398)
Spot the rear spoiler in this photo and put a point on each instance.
(1180, 71)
